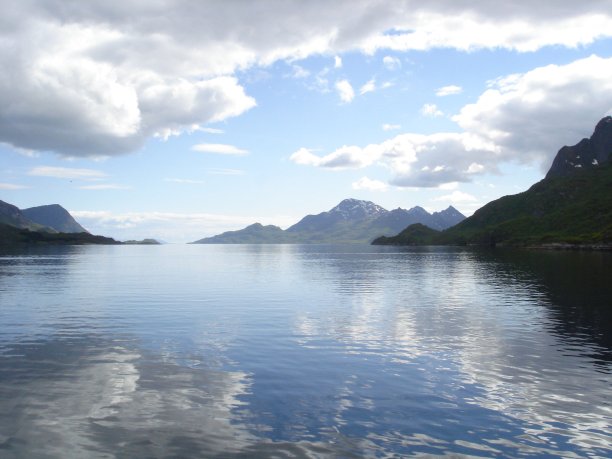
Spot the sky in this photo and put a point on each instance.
(181, 119)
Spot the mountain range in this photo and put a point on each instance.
(571, 206)
(351, 221)
(51, 218)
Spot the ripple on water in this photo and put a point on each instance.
(303, 351)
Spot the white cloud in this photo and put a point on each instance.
(343, 158)
(449, 186)
(524, 118)
(391, 127)
(11, 186)
(220, 149)
(530, 116)
(370, 86)
(67, 173)
(431, 111)
(516, 26)
(391, 63)
(100, 78)
(365, 183)
(456, 197)
(337, 62)
(212, 130)
(345, 91)
(475, 168)
(449, 90)
(299, 72)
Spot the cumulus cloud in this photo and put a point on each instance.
(345, 91)
(530, 116)
(449, 90)
(220, 149)
(99, 78)
(365, 183)
(337, 62)
(457, 197)
(391, 63)
(391, 127)
(431, 111)
(346, 157)
(522, 118)
(67, 173)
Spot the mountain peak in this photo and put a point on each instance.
(586, 154)
(54, 216)
(450, 210)
(355, 208)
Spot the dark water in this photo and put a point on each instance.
(304, 351)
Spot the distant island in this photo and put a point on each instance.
(142, 242)
(570, 207)
(351, 221)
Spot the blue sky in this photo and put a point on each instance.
(183, 119)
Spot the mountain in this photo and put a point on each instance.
(447, 218)
(351, 221)
(252, 234)
(586, 154)
(54, 216)
(415, 234)
(44, 225)
(11, 215)
(571, 205)
(349, 210)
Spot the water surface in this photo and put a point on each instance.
(304, 351)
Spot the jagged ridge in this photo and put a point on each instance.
(351, 221)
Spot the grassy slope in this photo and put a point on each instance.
(415, 234)
(574, 210)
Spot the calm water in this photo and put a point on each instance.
(304, 351)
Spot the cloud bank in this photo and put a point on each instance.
(99, 78)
